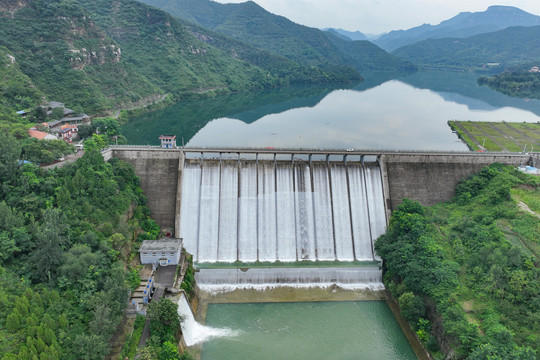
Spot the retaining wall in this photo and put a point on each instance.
(432, 178)
(158, 173)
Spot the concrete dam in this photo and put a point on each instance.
(269, 217)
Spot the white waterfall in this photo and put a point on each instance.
(194, 332)
(247, 214)
(269, 211)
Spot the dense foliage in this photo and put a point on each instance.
(97, 55)
(363, 55)
(286, 70)
(508, 46)
(464, 273)
(164, 332)
(251, 24)
(65, 240)
(523, 84)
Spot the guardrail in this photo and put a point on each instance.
(324, 151)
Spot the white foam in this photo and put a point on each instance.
(215, 289)
(196, 333)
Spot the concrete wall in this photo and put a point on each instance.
(158, 173)
(432, 178)
(426, 177)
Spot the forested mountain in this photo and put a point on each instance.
(97, 55)
(508, 46)
(463, 25)
(365, 56)
(66, 56)
(251, 24)
(351, 35)
(288, 71)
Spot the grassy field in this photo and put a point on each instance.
(498, 136)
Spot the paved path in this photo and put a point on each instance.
(69, 159)
(163, 278)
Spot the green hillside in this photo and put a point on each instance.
(507, 47)
(251, 24)
(466, 272)
(97, 55)
(288, 71)
(17, 91)
(68, 57)
(363, 55)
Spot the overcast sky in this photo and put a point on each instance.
(378, 16)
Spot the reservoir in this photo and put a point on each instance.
(380, 113)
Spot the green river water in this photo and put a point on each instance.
(307, 330)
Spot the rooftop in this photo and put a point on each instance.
(162, 245)
(40, 135)
(167, 137)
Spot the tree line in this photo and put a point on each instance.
(465, 273)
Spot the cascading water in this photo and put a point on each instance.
(261, 214)
(195, 333)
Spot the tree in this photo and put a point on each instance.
(10, 152)
(164, 320)
(57, 113)
(39, 114)
(412, 307)
(45, 259)
(13, 322)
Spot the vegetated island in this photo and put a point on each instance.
(465, 273)
(498, 136)
(517, 83)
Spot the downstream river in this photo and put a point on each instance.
(409, 113)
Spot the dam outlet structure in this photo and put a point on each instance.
(274, 223)
(258, 218)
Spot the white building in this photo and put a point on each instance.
(163, 252)
(168, 141)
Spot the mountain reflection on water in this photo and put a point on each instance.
(380, 113)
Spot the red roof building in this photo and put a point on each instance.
(40, 135)
(168, 141)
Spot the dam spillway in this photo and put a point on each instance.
(262, 213)
(241, 211)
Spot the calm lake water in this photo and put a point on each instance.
(399, 114)
(306, 331)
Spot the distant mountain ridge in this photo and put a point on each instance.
(463, 25)
(512, 45)
(249, 23)
(351, 35)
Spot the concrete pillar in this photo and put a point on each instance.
(179, 194)
(381, 159)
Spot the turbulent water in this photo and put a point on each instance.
(194, 332)
(267, 212)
